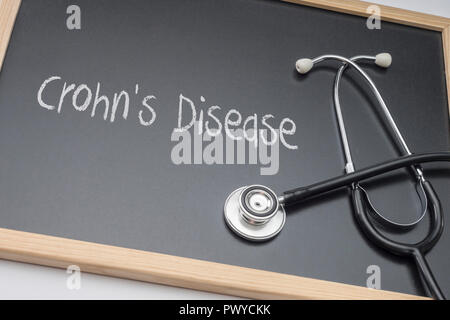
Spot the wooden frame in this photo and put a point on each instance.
(190, 273)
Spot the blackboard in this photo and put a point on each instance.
(72, 175)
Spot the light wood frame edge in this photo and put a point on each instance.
(191, 273)
(390, 14)
(446, 45)
(175, 271)
(8, 13)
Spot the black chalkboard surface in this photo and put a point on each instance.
(67, 172)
